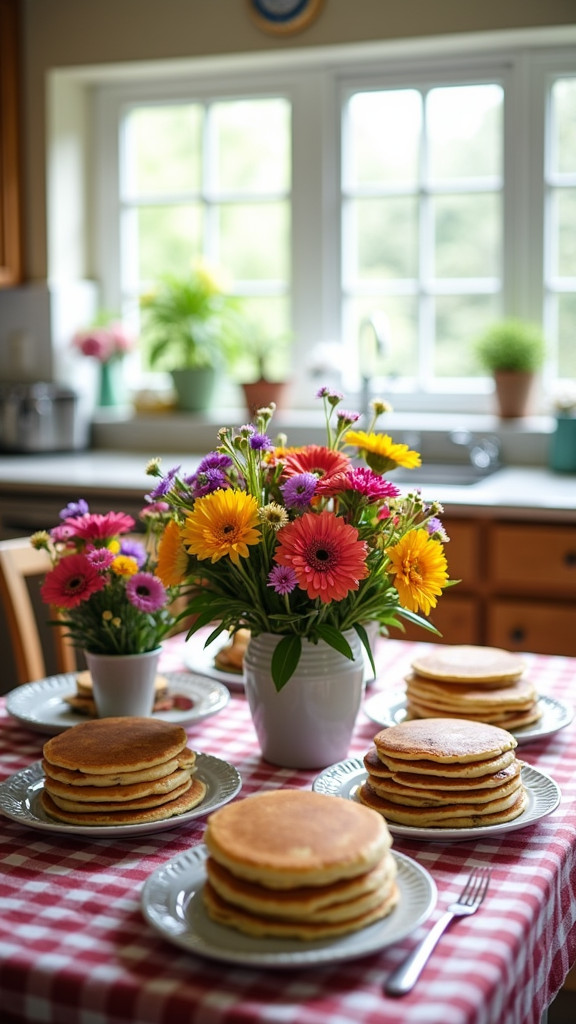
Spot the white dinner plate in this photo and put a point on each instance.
(344, 779)
(389, 708)
(200, 659)
(41, 706)
(20, 801)
(172, 903)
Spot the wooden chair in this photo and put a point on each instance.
(19, 562)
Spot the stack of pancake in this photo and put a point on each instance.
(298, 864)
(444, 773)
(119, 771)
(230, 658)
(82, 700)
(484, 684)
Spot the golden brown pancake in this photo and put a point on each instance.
(289, 838)
(230, 658)
(179, 805)
(119, 794)
(129, 804)
(460, 815)
(185, 759)
(105, 746)
(443, 741)
(466, 663)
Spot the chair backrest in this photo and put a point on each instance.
(19, 561)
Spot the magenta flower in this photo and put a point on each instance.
(146, 592)
(283, 579)
(100, 558)
(100, 527)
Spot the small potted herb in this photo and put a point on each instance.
(513, 351)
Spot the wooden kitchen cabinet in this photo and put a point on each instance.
(11, 263)
(517, 586)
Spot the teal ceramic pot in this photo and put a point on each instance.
(563, 445)
(194, 388)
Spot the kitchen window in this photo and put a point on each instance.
(374, 215)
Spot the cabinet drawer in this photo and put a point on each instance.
(457, 618)
(463, 552)
(533, 558)
(543, 628)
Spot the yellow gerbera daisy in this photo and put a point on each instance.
(380, 451)
(172, 558)
(222, 523)
(419, 565)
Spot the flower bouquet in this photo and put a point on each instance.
(103, 583)
(306, 543)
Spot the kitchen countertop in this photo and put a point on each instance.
(512, 491)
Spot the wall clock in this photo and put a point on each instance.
(283, 17)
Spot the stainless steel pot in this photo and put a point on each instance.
(40, 417)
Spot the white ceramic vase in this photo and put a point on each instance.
(309, 723)
(123, 684)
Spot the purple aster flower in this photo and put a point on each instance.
(323, 392)
(282, 578)
(207, 481)
(100, 558)
(74, 509)
(62, 533)
(214, 460)
(134, 549)
(261, 443)
(165, 484)
(346, 418)
(366, 482)
(146, 592)
(299, 490)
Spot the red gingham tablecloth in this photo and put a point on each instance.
(75, 948)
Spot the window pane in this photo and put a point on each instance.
(565, 203)
(164, 149)
(252, 145)
(272, 315)
(460, 320)
(385, 236)
(254, 240)
(563, 128)
(465, 131)
(467, 236)
(170, 239)
(566, 335)
(383, 140)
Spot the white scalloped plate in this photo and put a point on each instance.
(41, 706)
(172, 904)
(388, 709)
(20, 801)
(344, 779)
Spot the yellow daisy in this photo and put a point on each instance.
(124, 565)
(419, 565)
(222, 523)
(380, 451)
(172, 564)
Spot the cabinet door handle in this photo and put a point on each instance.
(570, 559)
(517, 634)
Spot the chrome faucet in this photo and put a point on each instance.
(374, 330)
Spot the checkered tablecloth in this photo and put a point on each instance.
(75, 948)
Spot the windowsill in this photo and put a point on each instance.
(524, 442)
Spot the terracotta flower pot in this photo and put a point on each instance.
(260, 393)
(514, 393)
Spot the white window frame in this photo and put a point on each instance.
(316, 81)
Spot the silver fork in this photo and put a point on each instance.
(404, 977)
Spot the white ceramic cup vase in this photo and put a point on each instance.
(309, 723)
(123, 684)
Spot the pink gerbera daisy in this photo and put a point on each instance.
(323, 462)
(325, 553)
(96, 527)
(72, 581)
(363, 481)
(146, 592)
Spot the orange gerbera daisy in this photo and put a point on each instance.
(380, 451)
(314, 458)
(325, 553)
(419, 565)
(222, 523)
(172, 564)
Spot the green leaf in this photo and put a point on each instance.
(364, 638)
(285, 659)
(334, 638)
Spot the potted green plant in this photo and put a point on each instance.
(513, 351)
(260, 384)
(192, 328)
